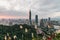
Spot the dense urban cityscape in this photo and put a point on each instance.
(29, 29)
(29, 19)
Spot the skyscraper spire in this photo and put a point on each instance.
(30, 17)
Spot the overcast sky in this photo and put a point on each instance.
(20, 8)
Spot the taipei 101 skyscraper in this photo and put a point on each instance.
(30, 17)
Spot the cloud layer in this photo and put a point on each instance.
(20, 8)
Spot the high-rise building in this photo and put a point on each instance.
(30, 17)
(49, 19)
(36, 19)
(41, 23)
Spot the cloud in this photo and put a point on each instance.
(55, 14)
(14, 13)
(43, 8)
(48, 8)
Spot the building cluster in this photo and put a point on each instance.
(30, 21)
(43, 22)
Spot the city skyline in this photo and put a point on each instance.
(20, 8)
